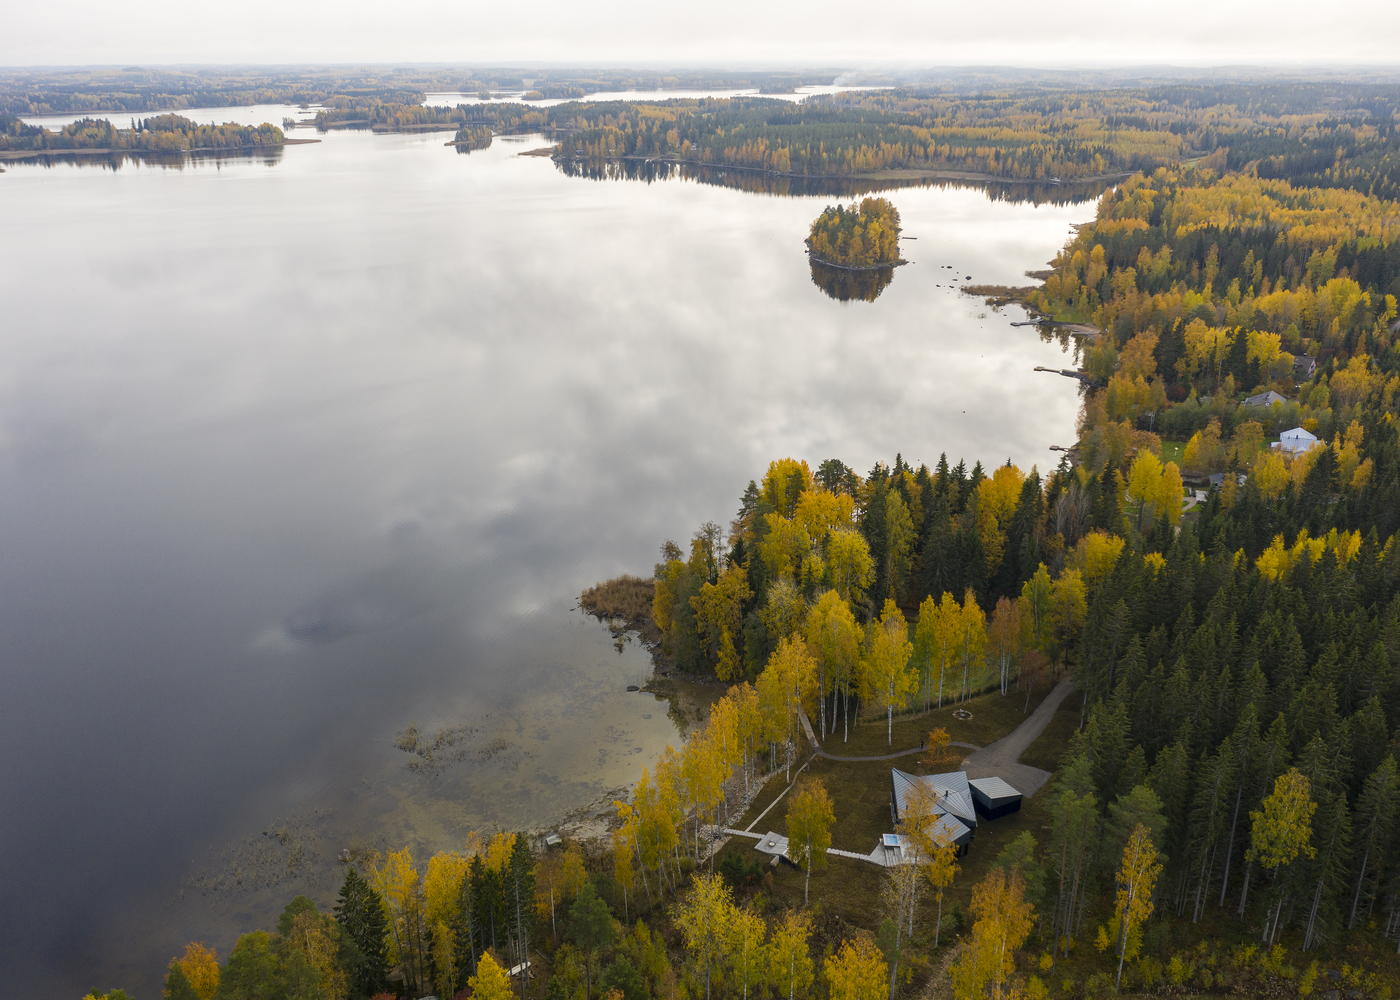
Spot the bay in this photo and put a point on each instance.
(298, 450)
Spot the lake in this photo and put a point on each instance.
(298, 450)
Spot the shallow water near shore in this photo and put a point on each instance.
(295, 454)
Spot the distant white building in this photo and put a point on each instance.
(1264, 399)
(1295, 442)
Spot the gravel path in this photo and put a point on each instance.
(897, 753)
(1002, 758)
(812, 738)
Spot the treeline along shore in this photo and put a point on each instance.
(168, 133)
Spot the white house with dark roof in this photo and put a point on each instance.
(1265, 399)
(1295, 442)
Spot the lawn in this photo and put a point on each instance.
(1045, 752)
(848, 894)
(860, 792)
(1172, 451)
(993, 716)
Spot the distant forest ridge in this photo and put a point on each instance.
(135, 88)
(1012, 127)
(1313, 134)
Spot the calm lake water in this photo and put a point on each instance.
(297, 451)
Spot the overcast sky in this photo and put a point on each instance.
(613, 32)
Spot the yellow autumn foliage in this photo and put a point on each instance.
(1278, 558)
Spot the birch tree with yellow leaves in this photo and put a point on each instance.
(1137, 876)
(313, 934)
(1156, 488)
(857, 971)
(704, 919)
(1280, 832)
(1068, 607)
(1003, 919)
(200, 965)
(834, 637)
(788, 681)
(718, 617)
(656, 831)
(809, 819)
(625, 849)
(1004, 639)
(1037, 609)
(442, 889)
(933, 851)
(946, 627)
(397, 882)
(748, 723)
(747, 955)
(790, 968)
(886, 663)
(490, 981)
(972, 639)
(849, 565)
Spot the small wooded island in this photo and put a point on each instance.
(859, 237)
(159, 133)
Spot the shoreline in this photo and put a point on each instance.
(847, 267)
(34, 154)
(913, 173)
(898, 173)
(998, 296)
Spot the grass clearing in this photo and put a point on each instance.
(860, 790)
(1048, 747)
(1172, 451)
(993, 716)
(849, 893)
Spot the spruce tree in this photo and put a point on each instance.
(1322, 878)
(957, 487)
(360, 911)
(520, 896)
(1377, 811)
(938, 565)
(1022, 554)
(872, 526)
(1171, 348)
(465, 939)
(942, 477)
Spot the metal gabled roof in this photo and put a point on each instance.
(954, 793)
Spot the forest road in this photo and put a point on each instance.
(1002, 758)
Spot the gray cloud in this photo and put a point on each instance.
(903, 32)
